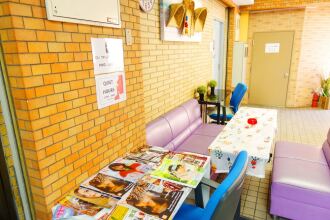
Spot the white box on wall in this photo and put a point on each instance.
(239, 62)
(97, 12)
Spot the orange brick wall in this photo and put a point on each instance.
(315, 52)
(278, 4)
(173, 70)
(65, 138)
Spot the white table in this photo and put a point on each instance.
(238, 135)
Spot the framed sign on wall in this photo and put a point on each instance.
(104, 12)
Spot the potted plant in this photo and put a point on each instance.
(201, 91)
(325, 93)
(213, 84)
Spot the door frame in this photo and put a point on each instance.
(223, 53)
(15, 145)
(252, 57)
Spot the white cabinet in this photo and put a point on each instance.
(239, 62)
(96, 12)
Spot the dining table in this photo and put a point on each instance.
(251, 129)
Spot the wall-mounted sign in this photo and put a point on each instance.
(108, 55)
(110, 89)
(272, 47)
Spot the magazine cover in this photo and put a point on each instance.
(125, 213)
(130, 170)
(156, 197)
(148, 154)
(72, 206)
(183, 168)
(107, 184)
(95, 197)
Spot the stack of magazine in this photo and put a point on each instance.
(149, 183)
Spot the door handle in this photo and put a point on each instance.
(286, 75)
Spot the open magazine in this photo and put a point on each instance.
(156, 197)
(125, 213)
(72, 207)
(183, 168)
(148, 154)
(127, 169)
(95, 197)
(108, 184)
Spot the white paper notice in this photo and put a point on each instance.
(108, 55)
(272, 48)
(110, 89)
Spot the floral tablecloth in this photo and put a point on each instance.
(239, 135)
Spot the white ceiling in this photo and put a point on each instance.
(244, 2)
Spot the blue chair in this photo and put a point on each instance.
(224, 204)
(235, 101)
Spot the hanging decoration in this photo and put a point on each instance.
(185, 17)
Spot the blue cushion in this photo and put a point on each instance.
(189, 212)
(215, 116)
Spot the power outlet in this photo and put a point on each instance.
(129, 40)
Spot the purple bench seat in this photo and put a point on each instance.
(182, 130)
(301, 181)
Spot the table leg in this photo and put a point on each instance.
(218, 112)
(199, 196)
(224, 116)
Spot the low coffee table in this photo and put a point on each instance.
(239, 135)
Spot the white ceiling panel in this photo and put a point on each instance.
(244, 2)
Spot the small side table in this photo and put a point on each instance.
(215, 101)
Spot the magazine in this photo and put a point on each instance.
(95, 197)
(130, 170)
(156, 197)
(183, 168)
(148, 154)
(71, 207)
(125, 213)
(107, 184)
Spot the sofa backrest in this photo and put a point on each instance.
(171, 129)
(326, 148)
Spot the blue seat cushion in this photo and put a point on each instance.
(215, 116)
(189, 212)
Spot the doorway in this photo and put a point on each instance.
(218, 53)
(270, 68)
(7, 203)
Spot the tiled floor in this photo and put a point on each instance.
(307, 126)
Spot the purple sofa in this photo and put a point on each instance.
(301, 181)
(182, 130)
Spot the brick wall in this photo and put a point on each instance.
(10, 165)
(292, 20)
(278, 4)
(173, 70)
(65, 138)
(315, 52)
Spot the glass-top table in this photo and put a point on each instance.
(216, 100)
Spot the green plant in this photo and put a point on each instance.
(201, 89)
(325, 83)
(213, 83)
